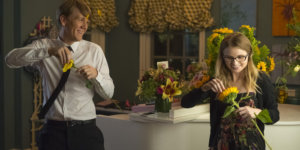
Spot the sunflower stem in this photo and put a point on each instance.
(254, 122)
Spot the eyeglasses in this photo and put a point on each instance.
(239, 58)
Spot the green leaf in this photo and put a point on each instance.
(88, 84)
(264, 116)
(228, 111)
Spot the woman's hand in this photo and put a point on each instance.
(215, 85)
(247, 112)
(88, 71)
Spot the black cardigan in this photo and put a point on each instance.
(265, 100)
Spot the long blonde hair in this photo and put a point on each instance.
(250, 73)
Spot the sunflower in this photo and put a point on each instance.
(68, 65)
(223, 30)
(227, 92)
(262, 66)
(272, 64)
(170, 90)
(247, 27)
(213, 36)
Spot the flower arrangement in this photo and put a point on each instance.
(292, 53)
(260, 56)
(229, 96)
(159, 83)
(290, 59)
(196, 75)
(198, 80)
(192, 69)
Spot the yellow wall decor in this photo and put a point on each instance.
(103, 15)
(159, 16)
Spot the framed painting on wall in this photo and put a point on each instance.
(283, 15)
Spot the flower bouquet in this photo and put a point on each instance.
(198, 80)
(229, 96)
(159, 86)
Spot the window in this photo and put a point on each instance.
(178, 48)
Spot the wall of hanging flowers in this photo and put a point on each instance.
(159, 16)
(103, 14)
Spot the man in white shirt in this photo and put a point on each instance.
(70, 121)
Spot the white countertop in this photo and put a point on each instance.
(289, 115)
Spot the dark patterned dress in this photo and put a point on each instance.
(240, 134)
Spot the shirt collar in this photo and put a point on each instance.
(74, 46)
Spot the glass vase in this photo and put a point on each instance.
(162, 105)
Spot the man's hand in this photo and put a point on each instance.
(88, 71)
(62, 53)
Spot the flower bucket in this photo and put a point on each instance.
(282, 95)
(162, 105)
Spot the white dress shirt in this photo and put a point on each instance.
(75, 101)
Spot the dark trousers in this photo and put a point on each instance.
(65, 136)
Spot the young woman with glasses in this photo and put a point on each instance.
(235, 67)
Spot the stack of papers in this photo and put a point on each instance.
(176, 115)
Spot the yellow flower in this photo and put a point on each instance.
(272, 64)
(248, 27)
(262, 66)
(170, 90)
(139, 90)
(213, 36)
(297, 68)
(68, 65)
(223, 30)
(227, 92)
(87, 17)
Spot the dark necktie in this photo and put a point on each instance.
(55, 93)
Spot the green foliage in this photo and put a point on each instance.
(149, 90)
(264, 116)
(228, 111)
(290, 58)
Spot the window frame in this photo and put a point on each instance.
(146, 47)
